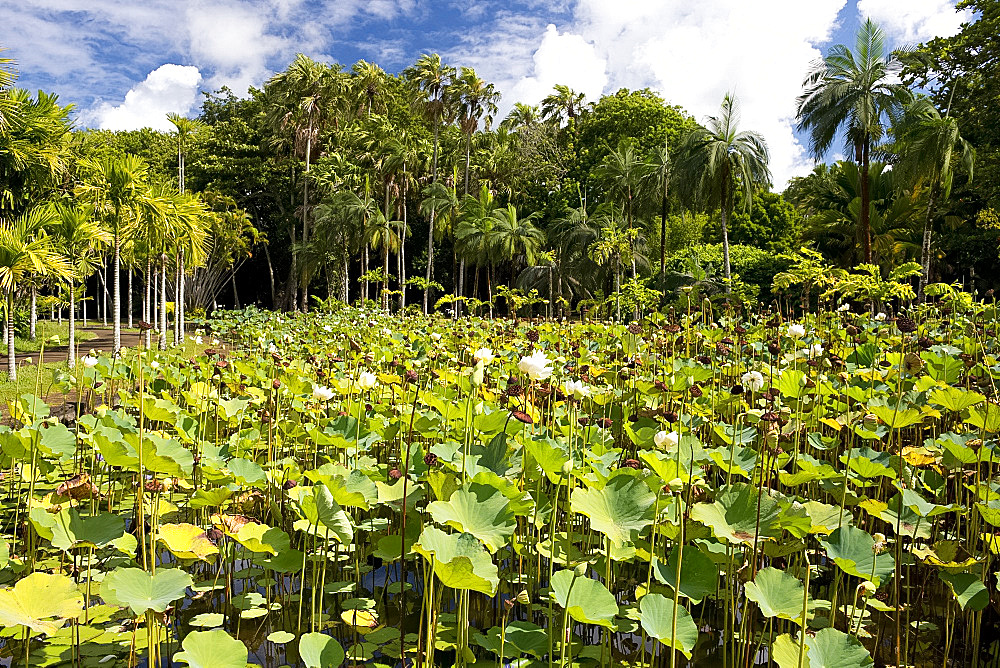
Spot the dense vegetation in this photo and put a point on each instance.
(716, 424)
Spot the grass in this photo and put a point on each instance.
(46, 330)
(28, 369)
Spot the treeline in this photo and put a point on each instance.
(408, 190)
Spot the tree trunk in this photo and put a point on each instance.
(33, 323)
(71, 353)
(270, 273)
(430, 229)
(11, 361)
(865, 222)
(663, 239)
(163, 302)
(116, 297)
(236, 295)
(181, 308)
(130, 298)
(925, 246)
(147, 304)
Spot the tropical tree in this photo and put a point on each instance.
(515, 238)
(477, 102)
(719, 160)
(118, 189)
(473, 234)
(433, 78)
(80, 239)
(853, 92)
(622, 175)
(563, 103)
(304, 100)
(660, 176)
(185, 130)
(929, 144)
(24, 255)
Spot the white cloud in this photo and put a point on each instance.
(693, 54)
(168, 88)
(911, 21)
(567, 59)
(232, 42)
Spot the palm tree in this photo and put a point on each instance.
(117, 187)
(515, 239)
(473, 234)
(622, 175)
(660, 175)
(80, 239)
(563, 103)
(927, 143)
(369, 86)
(477, 104)
(521, 116)
(433, 78)
(718, 158)
(305, 99)
(24, 255)
(8, 75)
(186, 128)
(853, 92)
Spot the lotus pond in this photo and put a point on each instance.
(352, 488)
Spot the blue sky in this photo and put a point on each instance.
(126, 64)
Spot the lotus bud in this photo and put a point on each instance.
(581, 569)
(567, 467)
(868, 587)
(523, 597)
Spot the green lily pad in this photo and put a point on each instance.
(587, 601)
(212, 649)
(657, 616)
(141, 591)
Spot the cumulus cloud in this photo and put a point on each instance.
(567, 59)
(915, 20)
(693, 54)
(168, 88)
(232, 42)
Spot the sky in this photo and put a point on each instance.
(125, 64)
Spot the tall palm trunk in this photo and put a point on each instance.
(71, 353)
(865, 221)
(430, 229)
(11, 361)
(146, 303)
(663, 239)
(33, 326)
(130, 298)
(305, 214)
(116, 297)
(925, 245)
(724, 209)
(181, 307)
(163, 301)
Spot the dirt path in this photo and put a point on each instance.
(103, 341)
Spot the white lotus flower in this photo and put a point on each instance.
(666, 440)
(753, 380)
(796, 330)
(154, 365)
(817, 349)
(436, 336)
(484, 355)
(89, 361)
(880, 316)
(366, 380)
(536, 366)
(322, 393)
(844, 307)
(576, 389)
